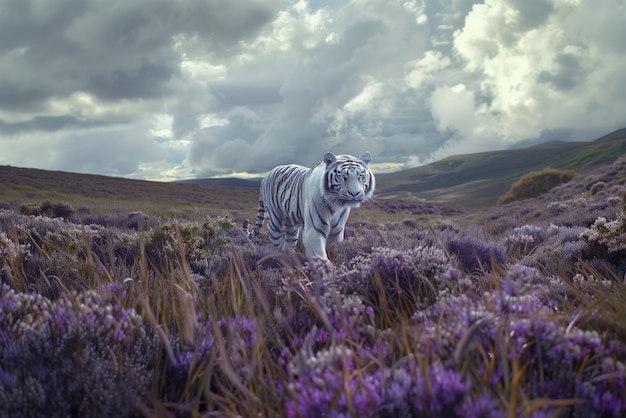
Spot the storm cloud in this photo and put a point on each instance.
(160, 89)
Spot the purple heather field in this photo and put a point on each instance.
(513, 311)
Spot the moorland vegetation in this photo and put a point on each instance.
(518, 310)
(536, 183)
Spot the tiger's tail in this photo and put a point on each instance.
(258, 224)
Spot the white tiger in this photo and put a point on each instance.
(316, 200)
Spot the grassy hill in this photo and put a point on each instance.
(477, 180)
(94, 194)
(102, 193)
(471, 181)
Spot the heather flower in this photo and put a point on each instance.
(245, 329)
(553, 229)
(518, 280)
(189, 360)
(441, 394)
(571, 250)
(331, 383)
(610, 235)
(447, 224)
(524, 239)
(475, 256)
(396, 393)
(81, 354)
(596, 187)
(10, 250)
(613, 200)
(433, 390)
(328, 302)
(484, 406)
(408, 276)
(530, 230)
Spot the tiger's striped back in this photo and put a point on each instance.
(280, 200)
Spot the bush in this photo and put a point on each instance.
(30, 210)
(474, 255)
(535, 183)
(62, 210)
(47, 208)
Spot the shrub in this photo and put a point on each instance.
(83, 355)
(62, 210)
(46, 207)
(405, 279)
(138, 221)
(535, 183)
(606, 240)
(475, 256)
(30, 210)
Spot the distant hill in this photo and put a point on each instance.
(477, 180)
(15, 183)
(225, 182)
(472, 181)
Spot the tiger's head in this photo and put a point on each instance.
(348, 180)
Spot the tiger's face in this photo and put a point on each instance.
(348, 180)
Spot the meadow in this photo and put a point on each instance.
(160, 307)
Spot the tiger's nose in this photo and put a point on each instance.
(353, 194)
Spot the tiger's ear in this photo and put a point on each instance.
(366, 158)
(329, 157)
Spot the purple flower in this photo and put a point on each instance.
(475, 256)
(243, 328)
(441, 392)
(484, 406)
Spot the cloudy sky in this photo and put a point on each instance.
(168, 89)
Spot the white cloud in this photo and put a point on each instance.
(386, 167)
(362, 115)
(422, 69)
(162, 127)
(453, 109)
(207, 87)
(418, 8)
(538, 70)
(294, 28)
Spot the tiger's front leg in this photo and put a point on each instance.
(338, 224)
(314, 243)
(335, 237)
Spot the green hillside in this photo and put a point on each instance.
(477, 180)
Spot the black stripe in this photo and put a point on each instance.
(319, 216)
(292, 233)
(324, 233)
